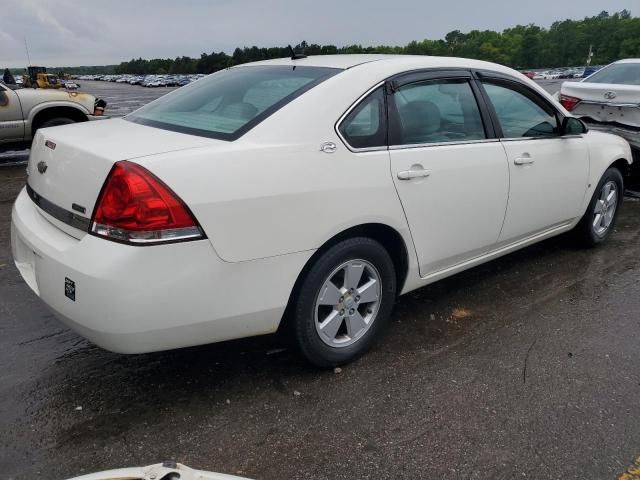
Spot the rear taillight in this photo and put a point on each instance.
(136, 207)
(569, 102)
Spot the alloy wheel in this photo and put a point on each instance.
(348, 303)
(605, 208)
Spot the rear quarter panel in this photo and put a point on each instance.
(257, 202)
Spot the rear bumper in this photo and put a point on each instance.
(631, 135)
(132, 299)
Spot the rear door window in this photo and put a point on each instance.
(227, 104)
(436, 111)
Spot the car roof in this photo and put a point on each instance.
(329, 61)
(346, 61)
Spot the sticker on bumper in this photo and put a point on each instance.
(70, 289)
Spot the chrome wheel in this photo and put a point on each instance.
(347, 303)
(605, 208)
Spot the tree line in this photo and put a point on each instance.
(565, 43)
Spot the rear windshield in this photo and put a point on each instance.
(229, 103)
(621, 73)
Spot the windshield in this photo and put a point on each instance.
(620, 73)
(231, 102)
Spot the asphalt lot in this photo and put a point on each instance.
(526, 367)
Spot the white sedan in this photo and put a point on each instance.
(608, 100)
(304, 194)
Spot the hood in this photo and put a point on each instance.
(30, 97)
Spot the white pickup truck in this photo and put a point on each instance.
(25, 110)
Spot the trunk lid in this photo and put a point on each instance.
(596, 92)
(604, 102)
(68, 165)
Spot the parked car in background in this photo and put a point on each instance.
(608, 100)
(304, 194)
(160, 471)
(24, 110)
(588, 71)
(146, 80)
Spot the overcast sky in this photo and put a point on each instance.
(87, 32)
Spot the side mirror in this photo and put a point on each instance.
(573, 126)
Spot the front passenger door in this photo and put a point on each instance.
(548, 172)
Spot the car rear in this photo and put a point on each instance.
(94, 274)
(117, 254)
(139, 287)
(608, 100)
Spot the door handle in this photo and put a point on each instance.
(411, 174)
(525, 159)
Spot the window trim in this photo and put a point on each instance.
(442, 144)
(356, 104)
(493, 129)
(526, 91)
(407, 78)
(422, 75)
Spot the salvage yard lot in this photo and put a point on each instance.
(526, 367)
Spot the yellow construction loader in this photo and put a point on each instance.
(37, 77)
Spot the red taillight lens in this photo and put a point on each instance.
(135, 206)
(569, 102)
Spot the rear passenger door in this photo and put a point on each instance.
(449, 170)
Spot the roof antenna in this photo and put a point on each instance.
(294, 55)
(26, 46)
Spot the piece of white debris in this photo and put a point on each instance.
(337, 370)
(296, 393)
(228, 402)
(78, 408)
(273, 351)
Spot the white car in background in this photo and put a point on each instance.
(160, 471)
(608, 100)
(303, 193)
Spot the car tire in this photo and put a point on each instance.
(56, 121)
(344, 302)
(600, 218)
